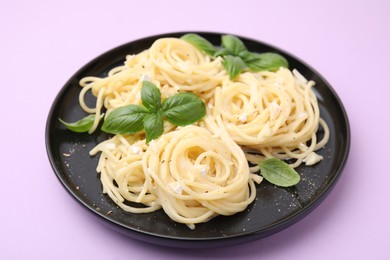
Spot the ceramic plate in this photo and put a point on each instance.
(274, 208)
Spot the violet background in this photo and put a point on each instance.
(43, 43)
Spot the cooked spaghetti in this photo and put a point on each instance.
(197, 172)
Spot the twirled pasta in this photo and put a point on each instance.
(197, 177)
(183, 67)
(273, 113)
(122, 174)
(200, 171)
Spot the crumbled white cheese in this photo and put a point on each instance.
(146, 77)
(136, 150)
(176, 187)
(203, 170)
(274, 110)
(243, 118)
(312, 158)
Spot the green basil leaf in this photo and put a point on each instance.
(248, 56)
(222, 52)
(233, 44)
(183, 109)
(151, 96)
(278, 172)
(200, 43)
(80, 126)
(266, 61)
(125, 120)
(233, 65)
(154, 126)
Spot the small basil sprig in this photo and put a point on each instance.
(200, 43)
(236, 56)
(233, 65)
(180, 109)
(278, 172)
(81, 126)
(125, 120)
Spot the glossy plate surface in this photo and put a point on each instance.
(274, 208)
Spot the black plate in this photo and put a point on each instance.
(274, 208)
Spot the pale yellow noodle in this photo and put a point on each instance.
(197, 172)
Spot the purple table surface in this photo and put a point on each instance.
(43, 43)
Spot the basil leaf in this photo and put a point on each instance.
(80, 126)
(278, 172)
(183, 109)
(233, 44)
(150, 96)
(222, 52)
(248, 56)
(125, 120)
(233, 65)
(154, 126)
(266, 61)
(200, 43)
